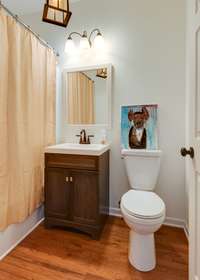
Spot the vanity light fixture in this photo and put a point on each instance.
(102, 73)
(85, 42)
(57, 12)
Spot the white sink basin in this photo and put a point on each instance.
(78, 149)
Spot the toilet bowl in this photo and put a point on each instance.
(142, 209)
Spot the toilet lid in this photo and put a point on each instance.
(143, 204)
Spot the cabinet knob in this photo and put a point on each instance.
(67, 179)
(71, 179)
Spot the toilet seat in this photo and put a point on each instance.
(143, 204)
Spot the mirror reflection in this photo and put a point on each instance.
(87, 96)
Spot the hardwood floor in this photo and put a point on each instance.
(62, 255)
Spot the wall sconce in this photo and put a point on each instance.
(57, 12)
(102, 73)
(85, 42)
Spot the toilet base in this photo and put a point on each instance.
(142, 251)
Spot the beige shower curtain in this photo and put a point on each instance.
(80, 99)
(27, 119)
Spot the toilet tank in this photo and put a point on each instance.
(142, 167)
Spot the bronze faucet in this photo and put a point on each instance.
(83, 137)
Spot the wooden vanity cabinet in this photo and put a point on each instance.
(77, 192)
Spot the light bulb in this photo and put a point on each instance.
(84, 43)
(99, 42)
(69, 46)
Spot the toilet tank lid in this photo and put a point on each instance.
(142, 153)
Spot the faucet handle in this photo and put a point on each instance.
(89, 136)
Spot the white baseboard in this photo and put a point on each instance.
(14, 234)
(172, 222)
(116, 212)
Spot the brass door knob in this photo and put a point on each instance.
(185, 152)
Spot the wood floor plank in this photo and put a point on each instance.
(58, 254)
(45, 269)
(6, 275)
(93, 277)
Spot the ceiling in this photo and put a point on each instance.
(22, 7)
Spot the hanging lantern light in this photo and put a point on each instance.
(57, 12)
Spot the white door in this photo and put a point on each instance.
(193, 135)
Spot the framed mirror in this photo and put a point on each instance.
(87, 95)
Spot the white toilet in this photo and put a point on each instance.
(142, 209)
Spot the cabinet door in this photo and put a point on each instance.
(57, 193)
(85, 197)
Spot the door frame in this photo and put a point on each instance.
(192, 166)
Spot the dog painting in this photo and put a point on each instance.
(139, 127)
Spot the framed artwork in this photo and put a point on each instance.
(139, 127)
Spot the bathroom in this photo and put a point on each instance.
(146, 55)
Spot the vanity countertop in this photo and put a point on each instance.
(78, 149)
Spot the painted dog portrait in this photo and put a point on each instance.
(139, 127)
(137, 133)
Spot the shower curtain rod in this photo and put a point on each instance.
(16, 17)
